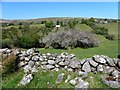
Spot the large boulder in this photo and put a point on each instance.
(99, 59)
(75, 64)
(86, 67)
(110, 61)
(92, 62)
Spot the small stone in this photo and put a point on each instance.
(116, 73)
(73, 82)
(44, 63)
(68, 78)
(48, 54)
(62, 63)
(56, 69)
(57, 66)
(82, 84)
(60, 78)
(26, 79)
(26, 59)
(34, 70)
(70, 69)
(49, 67)
(22, 64)
(52, 62)
(83, 74)
(35, 58)
(31, 63)
(100, 68)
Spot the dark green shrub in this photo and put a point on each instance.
(110, 37)
(7, 43)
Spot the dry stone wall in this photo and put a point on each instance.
(31, 61)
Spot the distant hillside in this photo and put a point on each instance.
(48, 19)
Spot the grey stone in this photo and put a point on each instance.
(44, 63)
(34, 70)
(83, 74)
(75, 64)
(86, 67)
(115, 60)
(60, 78)
(35, 58)
(8, 51)
(110, 61)
(49, 66)
(26, 59)
(48, 54)
(116, 73)
(70, 69)
(52, 62)
(31, 63)
(68, 78)
(83, 61)
(99, 59)
(73, 82)
(118, 62)
(57, 66)
(22, 64)
(113, 84)
(30, 51)
(26, 79)
(58, 60)
(82, 84)
(56, 69)
(93, 69)
(92, 62)
(100, 68)
(62, 63)
(22, 58)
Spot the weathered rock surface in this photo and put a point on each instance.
(99, 59)
(86, 67)
(26, 79)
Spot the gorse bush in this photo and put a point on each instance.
(70, 38)
(10, 65)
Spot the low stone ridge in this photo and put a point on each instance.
(31, 61)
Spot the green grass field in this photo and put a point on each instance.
(41, 78)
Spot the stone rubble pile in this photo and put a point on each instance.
(31, 61)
